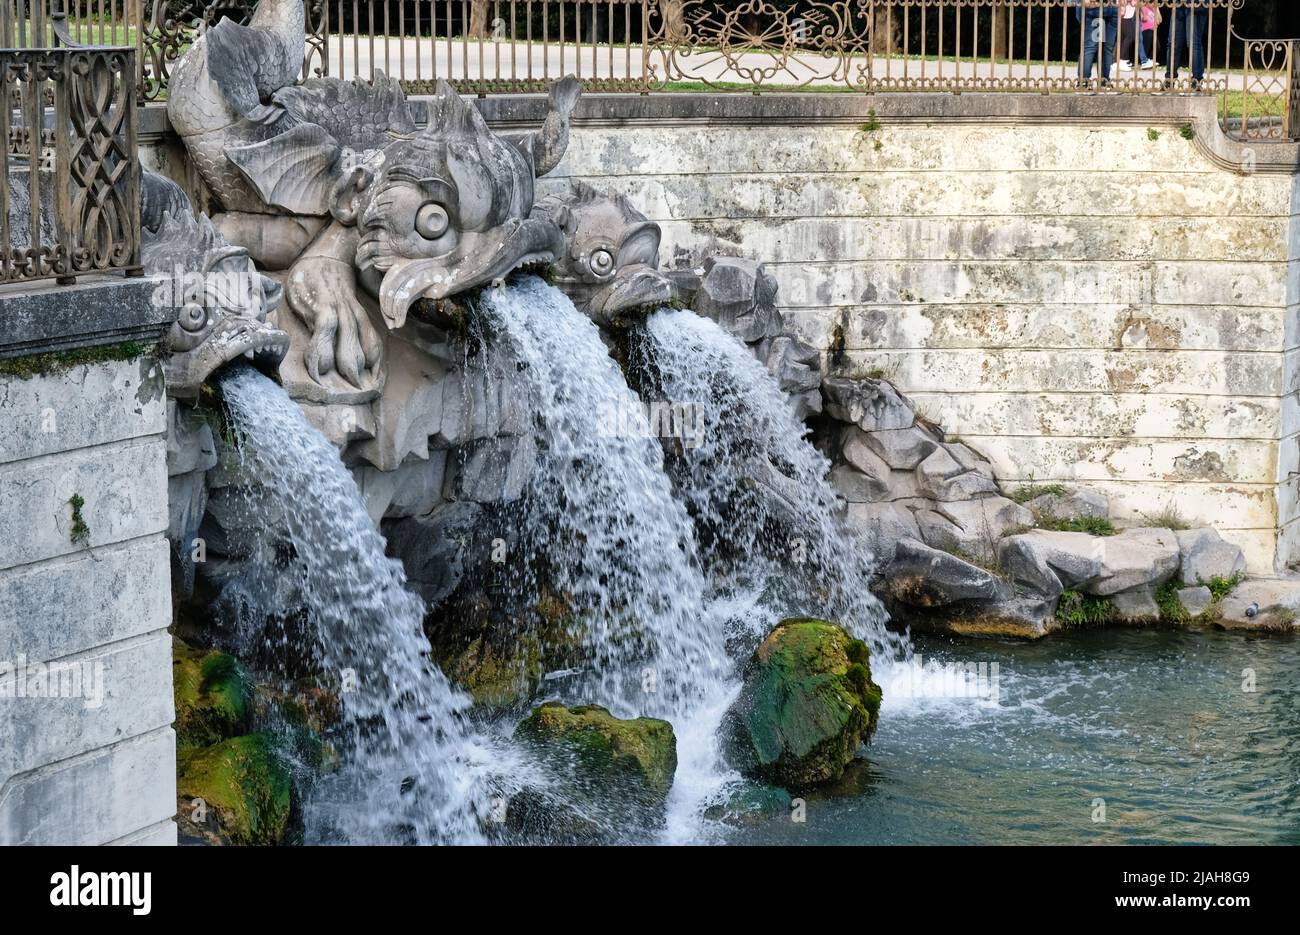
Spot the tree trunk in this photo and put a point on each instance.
(885, 39)
(1000, 48)
(478, 19)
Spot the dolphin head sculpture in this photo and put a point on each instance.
(609, 265)
(222, 302)
(445, 211)
(436, 211)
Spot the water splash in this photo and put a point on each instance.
(755, 485)
(409, 765)
(600, 512)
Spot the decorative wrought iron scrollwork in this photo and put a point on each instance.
(170, 26)
(71, 203)
(757, 43)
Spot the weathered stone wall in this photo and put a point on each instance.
(1070, 285)
(1066, 282)
(94, 762)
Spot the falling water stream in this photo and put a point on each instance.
(408, 762)
(624, 532)
(681, 552)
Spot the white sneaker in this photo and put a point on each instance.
(1125, 66)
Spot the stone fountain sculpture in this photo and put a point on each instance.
(333, 182)
(373, 219)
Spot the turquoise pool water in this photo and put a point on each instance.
(1099, 737)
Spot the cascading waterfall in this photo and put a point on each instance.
(407, 768)
(600, 509)
(617, 534)
(755, 485)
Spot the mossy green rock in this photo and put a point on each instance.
(501, 666)
(214, 696)
(634, 757)
(245, 786)
(807, 704)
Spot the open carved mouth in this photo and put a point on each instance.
(479, 259)
(234, 339)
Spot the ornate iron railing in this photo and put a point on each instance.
(70, 203)
(866, 46)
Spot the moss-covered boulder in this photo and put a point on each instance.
(214, 696)
(499, 653)
(633, 760)
(807, 704)
(238, 791)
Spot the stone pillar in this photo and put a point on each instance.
(87, 751)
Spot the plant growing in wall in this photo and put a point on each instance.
(80, 531)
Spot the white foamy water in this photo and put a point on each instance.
(600, 513)
(766, 515)
(756, 486)
(410, 769)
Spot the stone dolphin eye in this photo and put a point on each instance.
(602, 262)
(192, 317)
(431, 221)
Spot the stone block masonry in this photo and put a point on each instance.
(87, 751)
(1097, 290)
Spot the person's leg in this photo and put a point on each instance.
(1177, 43)
(1128, 34)
(1144, 47)
(1110, 16)
(1201, 24)
(1088, 18)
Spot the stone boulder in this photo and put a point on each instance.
(920, 576)
(863, 458)
(213, 695)
(1072, 504)
(797, 369)
(1098, 565)
(740, 295)
(1268, 604)
(238, 791)
(942, 477)
(858, 486)
(437, 550)
(499, 649)
(902, 449)
(1046, 562)
(632, 760)
(539, 816)
(746, 804)
(807, 704)
(871, 405)
(491, 470)
(883, 525)
(1206, 556)
(934, 590)
(1136, 558)
(1194, 601)
(978, 525)
(1135, 606)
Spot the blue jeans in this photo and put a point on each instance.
(1199, 21)
(1090, 17)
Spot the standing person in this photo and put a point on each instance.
(1100, 22)
(1137, 28)
(1190, 24)
(1151, 18)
